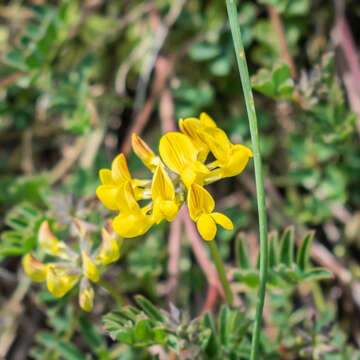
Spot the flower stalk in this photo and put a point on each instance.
(250, 107)
(221, 271)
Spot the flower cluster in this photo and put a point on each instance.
(71, 267)
(179, 175)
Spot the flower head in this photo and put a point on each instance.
(71, 268)
(179, 175)
(201, 206)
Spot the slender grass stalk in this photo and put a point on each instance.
(221, 271)
(250, 107)
(110, 289)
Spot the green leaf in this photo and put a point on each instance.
(143, 330)
(303, 254)
(273, 249)
(16, 59)
(69, 351)
(242, 254)
(204, 51)
(248, 277)
(276, 83)
(223, 325)
(91, 335)
(317, 274)
(149, 308)
(287, 247)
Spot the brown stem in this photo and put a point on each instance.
(280, 32)
(200, 253)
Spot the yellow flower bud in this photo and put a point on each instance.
(34, 268)
(86, 295)
(50, 243)
(89, 268)
(109, 248)
(143, 151)
(59, 281)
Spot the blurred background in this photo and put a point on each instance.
(77, 78)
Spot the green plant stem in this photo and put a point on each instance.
(250, 107)
(221, 271)
(110, 289)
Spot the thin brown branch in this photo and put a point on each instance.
(163, 69)
(281, 36)
(201, 255)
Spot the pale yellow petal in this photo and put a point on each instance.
(222, 220)
(58, 281)
(86, 295)
(89, 268)
(50, 243)
(107, 194)
(34, 269)
(109, 249)
(206, 226)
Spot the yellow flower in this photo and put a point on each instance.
(230, 159)
(201, 206)
(192, 127)
(89, 268)
(34, 269)
(51, 245)
(143, 151)
(86, 295)
(180, 155)
(109, 250)
(163, 196)
(62, 276)
(60, 280)
(113, 179)
(133, 220)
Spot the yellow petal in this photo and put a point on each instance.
(239, 157)
(206, 226)
(58, 281)
(191, 128)
(177, 151)
(217, 141)
(89, 268)
(143, 151)
(49, 242)
(222, 220)
(86, 295)
(126, 201)
(206, 120)
(199, 201)
(157, 214)
(169, 208)
(34, 269)
(119, 169)
(107, 195)
(109, 248)
(129, 225)
(106, 177)
(162, 186)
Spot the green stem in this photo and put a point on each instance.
(250, 107)
(110, 289)
(221, 271)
